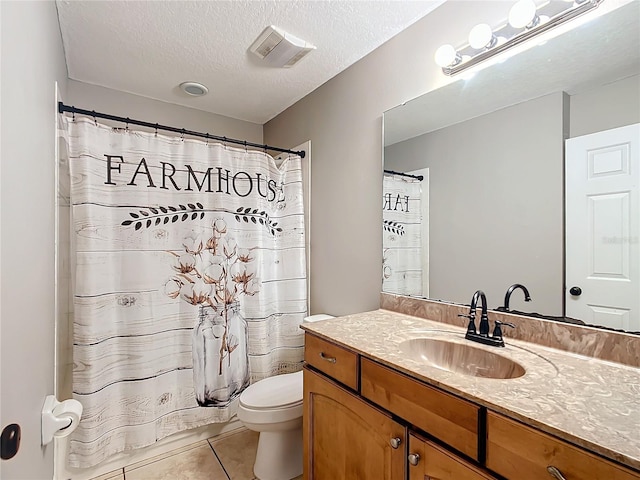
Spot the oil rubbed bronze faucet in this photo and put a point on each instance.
(507, 297)
(482, 335)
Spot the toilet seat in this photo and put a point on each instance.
(276, 392)
(274, 418)
(272, 400)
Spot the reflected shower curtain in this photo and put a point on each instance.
(189, 282)
(401, 241)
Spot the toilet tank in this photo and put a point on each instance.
(317, 317)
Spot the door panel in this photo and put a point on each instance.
(345, 437)
(603, 227)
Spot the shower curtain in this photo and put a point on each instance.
(189, 282)
(401, 241)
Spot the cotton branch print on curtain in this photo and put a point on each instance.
(401, 241)
(189, 283)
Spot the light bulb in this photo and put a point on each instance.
(446, 56)
(522, 14)
(481, 36)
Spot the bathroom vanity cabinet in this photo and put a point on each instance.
(348, 435)
(365, 420)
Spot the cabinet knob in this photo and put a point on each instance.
(395, 442)
(327, 357)
(555, 473)
(414, 458)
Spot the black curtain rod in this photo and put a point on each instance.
(417, 177)
(92, 113)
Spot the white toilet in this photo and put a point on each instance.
(273, 407)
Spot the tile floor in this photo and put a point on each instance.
(227, 457)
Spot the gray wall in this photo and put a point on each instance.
(343, 120)
(32, 61)
(92, 97)
(495, 203)
(610, 106)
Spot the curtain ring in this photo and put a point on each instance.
(127, 125)
(224, 142)
(207, 139)
(73, 114)
(94, 118)
(245, 146)
(182, 135)
(156, 129)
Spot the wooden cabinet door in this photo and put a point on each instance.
(346, 438)
(428, 461)
(519, 452)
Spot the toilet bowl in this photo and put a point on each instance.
(273, 407)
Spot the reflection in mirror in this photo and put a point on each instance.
(404, 215)
(489, 212)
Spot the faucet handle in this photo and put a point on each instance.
(471, 327)
(497, 330)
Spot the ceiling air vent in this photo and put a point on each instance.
(278, 48)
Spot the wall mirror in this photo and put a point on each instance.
(477, 200)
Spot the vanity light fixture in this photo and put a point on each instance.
(525, 21)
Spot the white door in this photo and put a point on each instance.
(603, 228)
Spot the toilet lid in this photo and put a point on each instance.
(273, 392)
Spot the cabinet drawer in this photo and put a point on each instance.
(432, 461)
(450, 419)
(520, 452)
(337, 362)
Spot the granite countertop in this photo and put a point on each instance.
(586, 401)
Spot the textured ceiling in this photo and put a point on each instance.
(149, 47)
